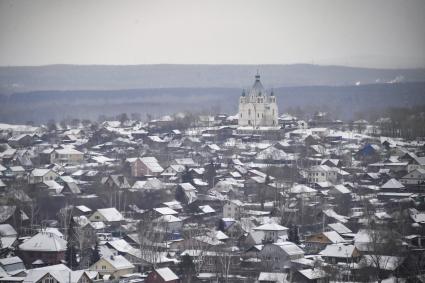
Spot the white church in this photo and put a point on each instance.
(258, 108)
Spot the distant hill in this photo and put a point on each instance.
(341, 101)
(98, 77)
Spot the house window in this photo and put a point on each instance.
(103, 267)
(249, 112)
(49, 279)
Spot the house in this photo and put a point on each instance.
(145, 166)
(66, 155)
(317, 242)
(45, 246)
(340, 253)
(416, 163)
(310, 275)
(151, 184)
(114, 265)
(322, 173)
(278, 256)
(21, 140)
(58, 273)
(13, 266)
(272, 231)
(414, 177)
(392, 185)
(116, 182)
(162, 275)
(108, 215)
(8, 237)
(173, 170)
(340, 229)
(40, 175)
(233, 209)
(369, 152)
(186, 193)
(186, 162)
(169, 223)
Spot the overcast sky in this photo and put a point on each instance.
(370, 33)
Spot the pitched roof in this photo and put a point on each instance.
(338, 250)
(290, 248)
(270, 227)
(166, 274)
(339, 228)
(392, 184)
(39, 172)
(165, 211)
(334, 237)
(111, 214)
(44, 242)
(273, 277)
(118, 262)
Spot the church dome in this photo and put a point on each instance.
(257, 88)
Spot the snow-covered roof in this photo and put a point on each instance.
(270, 227)
(334, 237)
(290, 248)
(342, 189)
(68, 151)
(39, 172)
(111, 214)
(168, 219)
(272, 153)
(44, 242)
(339, 228)
(118, 262)
(165, 211)
(272, 277)
(313, 273)
(83, 208)
(392, 184)
(301, 189)
(206, 209)
(152, 163)
(338, 250)
(166, 274)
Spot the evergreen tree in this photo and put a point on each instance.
(187, 268)
(187, 176)
(293, 234)
(95, 256)
(210, 173)
(71, 246)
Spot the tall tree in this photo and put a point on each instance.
(95, 256)
(71, 246)
(187, 268)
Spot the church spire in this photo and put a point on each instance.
(257, 76)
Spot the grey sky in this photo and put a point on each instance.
(371, 33)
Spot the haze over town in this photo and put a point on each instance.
(212, 141)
